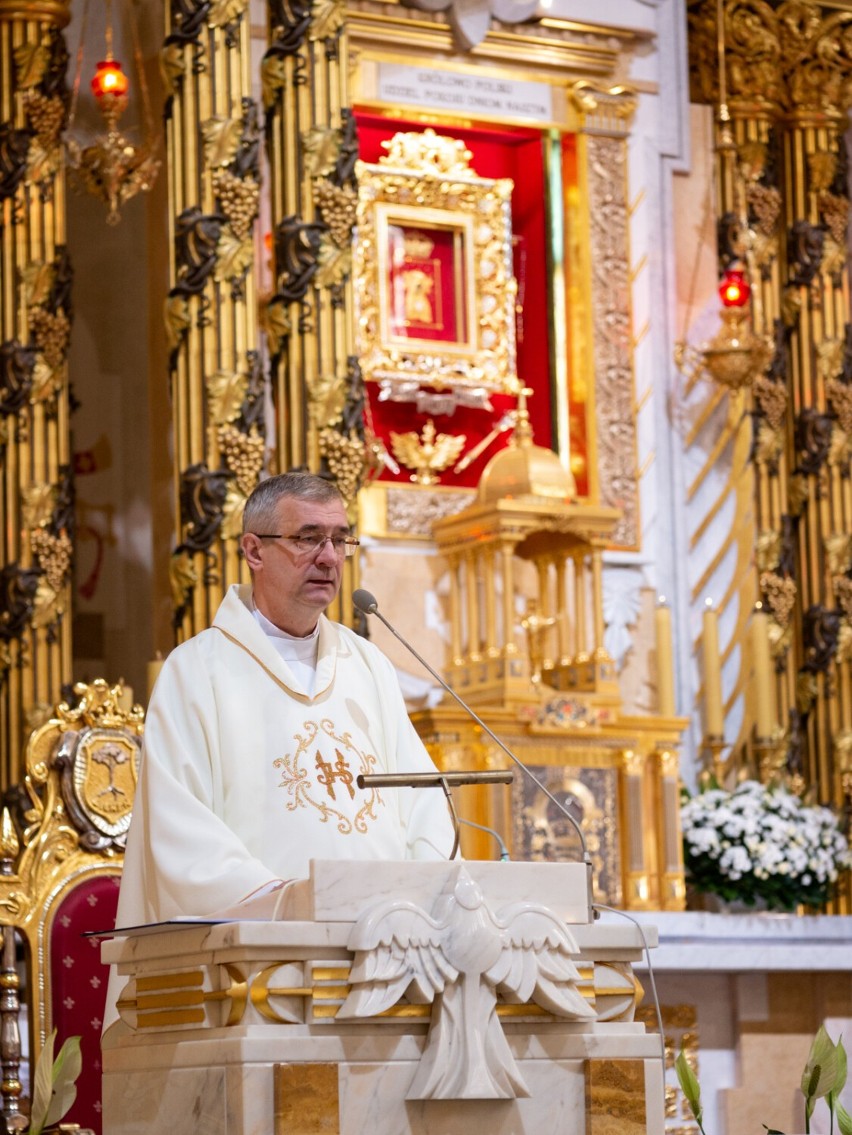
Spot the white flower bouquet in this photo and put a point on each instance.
(760, 844)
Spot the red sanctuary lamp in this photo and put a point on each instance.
(734, 289)
(110, 86)
(109, 79)
(735, 356)
(110, 165)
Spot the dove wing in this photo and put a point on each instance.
(397, 947)
(536, 962)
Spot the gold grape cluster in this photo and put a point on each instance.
(346, 460)
(243, 455)
(337, 206)
(238, 199)
(780, 592)
(53, 554)
(47, 117)
(51, 331)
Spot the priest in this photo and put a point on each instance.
(259, 726)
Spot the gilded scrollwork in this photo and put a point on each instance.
(813, 440)
(196, 239)
(614, 397)
(821, 628)
(202, 499)
(18, 587)
(805, 245)
(297, 246)
(17, 366)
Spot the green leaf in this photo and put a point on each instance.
(42, 1086)
(840, 1076)
(66, 1069)
(689, 1085)
(844, 1120)
(820, 1073)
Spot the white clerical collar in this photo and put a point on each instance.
(269, 628)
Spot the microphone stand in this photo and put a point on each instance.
(367, 604)
(432, 780)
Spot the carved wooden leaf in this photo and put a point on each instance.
(327, 396)
(333, 263)
(233, 256)
(38, 280)
(40, 164)
(276, 323)
(46, 605)
(30, 64)
(328, 18)
(226, 391)
(225, 12)
(273, 77)
(37, 503)
(221, 139)
(172, 66)
(806, 691)
(232, 513)
(177, 319)
(321, 147)
(182, 577)
(44, 384)
(844, 642)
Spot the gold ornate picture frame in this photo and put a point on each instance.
(434, 287)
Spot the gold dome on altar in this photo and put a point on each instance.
(524, 469)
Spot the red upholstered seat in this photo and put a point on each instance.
(78, 983)
(60, 866)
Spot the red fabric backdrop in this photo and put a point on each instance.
(497, 152)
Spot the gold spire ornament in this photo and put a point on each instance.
(427, 454)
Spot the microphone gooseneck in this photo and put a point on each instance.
(367, 604)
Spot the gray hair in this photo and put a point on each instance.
(261, 506)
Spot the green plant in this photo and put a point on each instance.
(824, 1077)
(54, 1083)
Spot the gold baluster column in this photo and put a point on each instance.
(312, 155)
(817, 290)
(789, 106)
(213, 140)
(36, 503)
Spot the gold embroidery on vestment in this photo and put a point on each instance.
(329, 773)
(303, 792)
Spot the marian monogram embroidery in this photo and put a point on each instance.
(315, 778)
(329, 773)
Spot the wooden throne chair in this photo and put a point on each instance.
(61, 856)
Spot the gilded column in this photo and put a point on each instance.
(213, 146)
(317, 387)
(36, 505)
(736, 67)
(600, 208)
(817, 68)
(783, 184)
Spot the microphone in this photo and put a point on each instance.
(367, 604)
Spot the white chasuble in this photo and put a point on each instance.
(246, 777)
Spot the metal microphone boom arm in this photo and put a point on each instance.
(367, 604)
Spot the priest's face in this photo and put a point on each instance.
(292, 585)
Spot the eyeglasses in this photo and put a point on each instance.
(344, 546)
